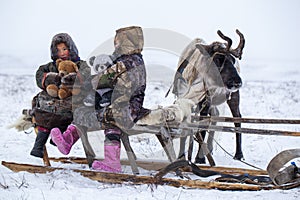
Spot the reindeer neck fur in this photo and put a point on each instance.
(202, 76)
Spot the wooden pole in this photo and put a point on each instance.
(153, 129)
(241, 130)
(46, 157)
(243, 120)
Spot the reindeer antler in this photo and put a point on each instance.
(239, 50)
(227, 39)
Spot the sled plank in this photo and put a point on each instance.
(138, 180)
(157, 165)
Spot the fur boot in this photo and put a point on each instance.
(112, 148)
(65, 141)
(40, 141)
(111, 162)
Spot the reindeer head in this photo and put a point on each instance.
(225, 58)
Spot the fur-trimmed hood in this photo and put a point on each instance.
(128, 40)
(64, 38)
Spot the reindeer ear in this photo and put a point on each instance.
(204, 49)
(58, 61)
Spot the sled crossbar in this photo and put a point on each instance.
(154, 129)
(244, 120)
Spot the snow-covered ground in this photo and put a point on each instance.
(266, 93)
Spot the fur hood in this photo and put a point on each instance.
(64, 38)
(128, 40)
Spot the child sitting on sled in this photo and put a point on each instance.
(50, 112)
(124, 83)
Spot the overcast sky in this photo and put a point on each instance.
(271, 27)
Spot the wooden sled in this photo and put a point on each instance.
(166, 136)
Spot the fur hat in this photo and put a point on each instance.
(64, 38)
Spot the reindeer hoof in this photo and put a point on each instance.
(200, 160)
(238, 156)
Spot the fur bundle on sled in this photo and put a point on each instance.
(24, 122)
(178, 112)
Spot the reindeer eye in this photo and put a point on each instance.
(219, 60)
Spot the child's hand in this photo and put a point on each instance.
(52, 78)
(69, 79)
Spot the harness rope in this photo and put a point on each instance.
(251, 165)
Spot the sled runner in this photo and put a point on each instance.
(254, 180)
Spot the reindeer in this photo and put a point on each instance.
(208, 75)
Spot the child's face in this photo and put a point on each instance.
(63, 51)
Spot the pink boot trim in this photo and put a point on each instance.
(101, 166)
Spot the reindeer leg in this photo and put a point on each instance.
(191, 145)
(200, 159)
(210, 139)
(233, 104)
(181, 154)
(204, 109)
(204, 150)
(213, 111)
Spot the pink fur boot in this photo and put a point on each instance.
(111, 162)
(65, 141)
